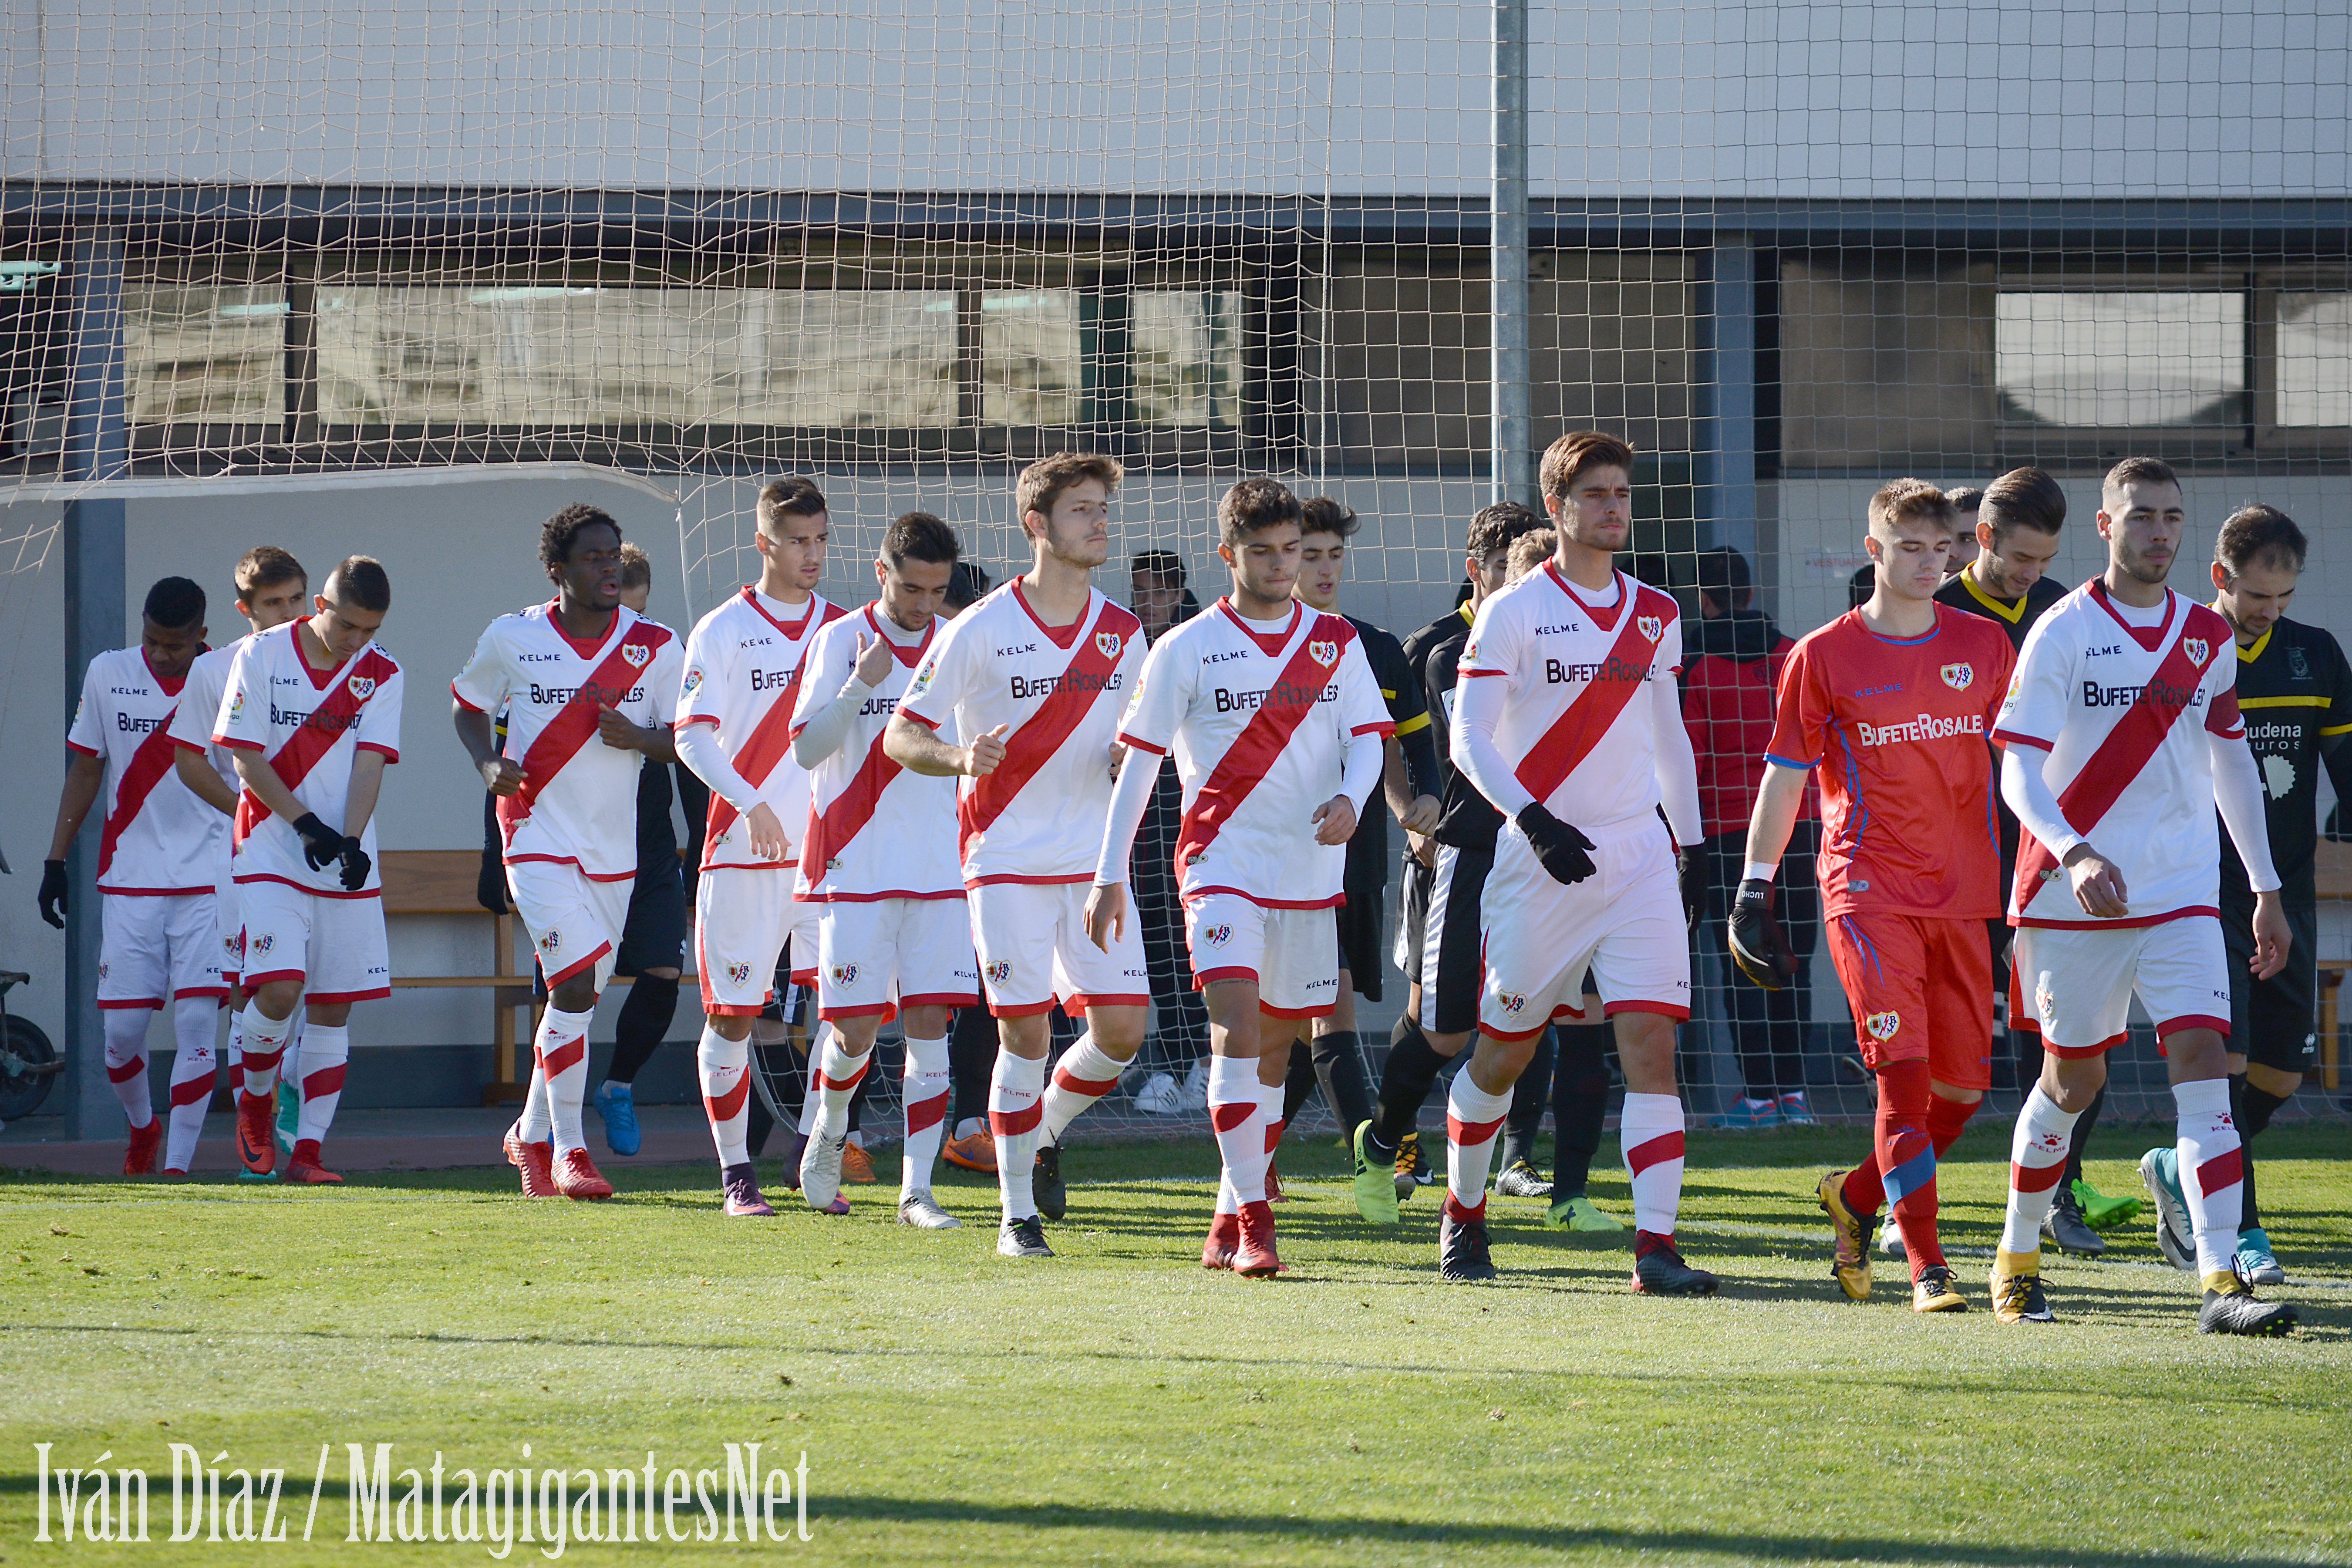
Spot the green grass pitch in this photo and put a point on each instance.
(1122, 1405)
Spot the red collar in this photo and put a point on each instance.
(1270, 644)
(2149, 639)
(170, 687)
(1605, 616)
(1061, 636)
(909, 656)
(320, 678)
(586, 647)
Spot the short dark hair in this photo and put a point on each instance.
(558, 534)
(2023, 497)
(1326, 514)
(1579, 450)
(967, 584)
(175, 602)
(1494, 527)
(1967, 498)
(1723, 577)
(1253, 504)
(1041, 484)
(636, 567)
(2255, 534)
(792, 497)
(360, 582)
(1161, 563)
(266, 566)
(922, 536)
(2140, 471)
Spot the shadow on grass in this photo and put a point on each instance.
(1749, 1546)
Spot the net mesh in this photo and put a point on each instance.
(1789, 251)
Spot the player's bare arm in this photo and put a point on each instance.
(618, 732)
(915, 748)
(2098, 883)
(1335, 820)
(501, 775)
(196, 772)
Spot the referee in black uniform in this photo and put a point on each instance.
(2295, 691)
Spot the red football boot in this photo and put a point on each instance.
(305, 1167)
(576, 1177)
(1224, 1236)
(535, 1161)
(139, 1158)
(256, 1137)
(1255, 1258)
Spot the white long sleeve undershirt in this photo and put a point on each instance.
(699, 749)
(828, 726)
(1359, 774)
(2237, 793)
(1478, 708)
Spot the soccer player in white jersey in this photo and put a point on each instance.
(1568, 712)
(1032, 679)
(271, 590)
(587, 686)
(1276, 721)
(878, 860)
(156, 862)
(743, 668)
(2122, 736)
(312, 714)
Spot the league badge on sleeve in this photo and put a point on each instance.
(1960, 677)
(693, 679)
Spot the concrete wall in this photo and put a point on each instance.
(1828, 98)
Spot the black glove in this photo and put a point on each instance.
(322, 845)
(355, 866)
(1759, 945)
(1559, 848)
(1691, 880)
(53, 892)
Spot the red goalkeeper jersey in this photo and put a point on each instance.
(1895, 733)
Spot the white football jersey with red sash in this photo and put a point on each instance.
(875, 830)
(1576, 729)
(1038, 816)
(1259, 724)
(159, 839)
(744, 662)
(309, 725)
(578, 803)
(2123, 717)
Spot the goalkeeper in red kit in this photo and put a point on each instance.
(1888, 706)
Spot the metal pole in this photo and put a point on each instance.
(1727, 500)
(97, 448)
(1511, 456)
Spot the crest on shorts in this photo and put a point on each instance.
(1650, 627)
(1000, 971)
(844, 974)
(229, 947)
(636, 653)
(1217, 935)
(1108, 643)
(2196, 649)
(1881, 1025)
(1513, 1003)
(1960, 677)
(551, 941)
(261, 943)
(2045, 1004)
(1324, 652)
(363, 685)
(101, 969)
(739, 974)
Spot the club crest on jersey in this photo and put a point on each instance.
(999, 972)
(363, 685)
(1217, 935)
(739, 974)
(844, 974)
(1881, 1025)
(636, 653)
(1324, 652)
(1650, 627)
(1107, 644)
(1960, 677)
(2197, 650)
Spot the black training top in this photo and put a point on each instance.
(1470, 821)
(2295, 691)
(1368, 851)
(2015, 616)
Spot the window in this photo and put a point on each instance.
(204, 354)
(1033, 368)
(2117, 360)
(2315, 359)
(1185, 354)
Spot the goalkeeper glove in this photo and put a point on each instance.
(355, 866)
(1690, 880)
(53, 892)
(1759, 945)
(322, 845)
(1559, 848)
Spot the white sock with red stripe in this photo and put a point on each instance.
(1237, 1113)
(1650, 1131)
(811, 1100)
(725, 1069)
(126, 1062)
(2037, 1163)
(1269, 1109)
(263, 1039)
(2212, 1173)
(558, 1081)
(923, 1090)
(1014, 1114)
(325, 1054)
(1474, 1119)
(1084, 1075)
(838, 1073)
(193, 1067)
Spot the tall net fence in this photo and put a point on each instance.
(1788, 251)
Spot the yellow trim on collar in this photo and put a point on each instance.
(2248, 654)
(1469, 617)
(2012, 614)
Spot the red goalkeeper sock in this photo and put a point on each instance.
(1906, 1160)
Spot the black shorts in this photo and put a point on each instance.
(1412, 918)
(654, 934)
(2276, 1021)
(1451, 972)
(1360, 919)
